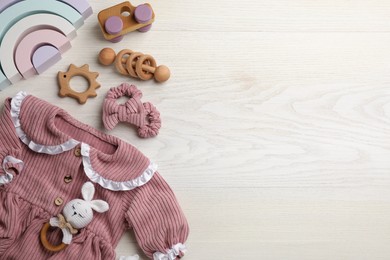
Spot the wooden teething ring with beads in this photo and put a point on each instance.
(46, 243)
(142, 71)
(135, 64)
(120, 61)
(130, 61)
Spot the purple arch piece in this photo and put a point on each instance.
(45, 57)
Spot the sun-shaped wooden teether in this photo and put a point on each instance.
(83, 71)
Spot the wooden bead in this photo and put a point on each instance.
(162, 73)
(107, 56)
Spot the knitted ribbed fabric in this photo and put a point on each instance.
(143, 115)
(54, 148)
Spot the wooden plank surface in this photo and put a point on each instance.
(276, 122)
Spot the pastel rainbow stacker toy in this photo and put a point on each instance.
(34, 34)
(118, 20)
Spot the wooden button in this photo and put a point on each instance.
(58, 201)
(68, 179)
(77, 152)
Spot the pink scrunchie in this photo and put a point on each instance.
(143, 115)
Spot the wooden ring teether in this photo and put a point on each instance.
(46, 243)
(118, 61)
(145, 60)
(135, 64)
(131, 62)
(65, 77)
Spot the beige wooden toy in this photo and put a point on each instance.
(46, 243)
(135, 64)
(107, 56)
(67, 91)
(123, 18)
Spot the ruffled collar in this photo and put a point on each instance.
(107, 160)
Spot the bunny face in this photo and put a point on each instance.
(79, 212)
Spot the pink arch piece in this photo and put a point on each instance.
(31, 42)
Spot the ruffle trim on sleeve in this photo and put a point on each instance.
(8, 163)
(172, 254)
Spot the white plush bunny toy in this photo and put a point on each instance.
(78, 213)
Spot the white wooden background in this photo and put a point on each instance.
(276, 122)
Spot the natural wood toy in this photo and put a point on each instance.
(65, 89)
(46, 244)
(135, 64)
(107, 56)
(118, 20)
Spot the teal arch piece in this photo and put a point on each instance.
(4, 4)
(82, 6)
(25, 8)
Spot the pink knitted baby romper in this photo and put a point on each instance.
(45, 158)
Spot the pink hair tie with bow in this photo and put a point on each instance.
(143, 115)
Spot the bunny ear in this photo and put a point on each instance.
(99, 206)
(87, 191)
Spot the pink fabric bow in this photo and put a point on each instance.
(143, 115)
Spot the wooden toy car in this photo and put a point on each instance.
(118, 20)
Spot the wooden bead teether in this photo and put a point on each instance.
(135, 64)
(46, 243)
